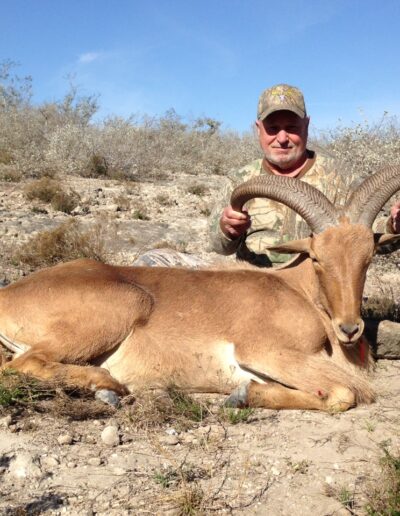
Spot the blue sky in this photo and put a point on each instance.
(210, 57)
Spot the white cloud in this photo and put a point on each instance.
(89, 57)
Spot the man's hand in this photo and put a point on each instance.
(234, 223)
(395, 213)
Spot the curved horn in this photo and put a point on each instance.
(367, 200)
(304, 199)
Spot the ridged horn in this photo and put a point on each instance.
(367, 200)
(304, 199)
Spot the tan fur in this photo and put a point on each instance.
(118, 328)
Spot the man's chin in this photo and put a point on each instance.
(282, 161)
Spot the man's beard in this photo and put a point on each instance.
(285, 160)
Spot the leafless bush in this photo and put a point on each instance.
(60, 137)
(66, 242)
(365, 147)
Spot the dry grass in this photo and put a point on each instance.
(384, 493)
(68, 241)
(197, 189)
(152, 410)
(27, 394)
(19, 389)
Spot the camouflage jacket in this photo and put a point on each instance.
(271, 221)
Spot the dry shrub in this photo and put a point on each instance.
(197, 189)
(51, 191)
(140, 213)
(363, 148)
(44, 189)
(60, 137)
(10, 174)
(96, 166)
(65, 202)
(6, 157)
(186, 500)
(123, 202)
(68, 241)
(164, 200)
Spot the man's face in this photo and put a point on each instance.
(283, 138)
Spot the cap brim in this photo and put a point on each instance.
(300, 113)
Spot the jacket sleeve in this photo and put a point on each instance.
(219, 242)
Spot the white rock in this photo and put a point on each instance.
(275, 471)
(94, 461)
(6, 421)
(65, 439)
(171, 431)
(49, 462)
(118, 471)
(170, 440)
(110, 436)
(24, 465)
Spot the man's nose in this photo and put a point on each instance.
(282, 136)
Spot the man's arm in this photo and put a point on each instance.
(226, 225)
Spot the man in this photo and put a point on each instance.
(282, 127)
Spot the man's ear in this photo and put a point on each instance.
(293, 247)
(386, 242)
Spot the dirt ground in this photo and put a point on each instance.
(275, 462)
(82, 459)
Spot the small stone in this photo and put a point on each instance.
(204, 430)
(24, 465)
(171, 431)
(6, 421)
(110, 436)
(275, 471)
(64, 439)
(118, 471)
(329, 480)
(71, 465)
(49, 462)
(94, 461)
(170, 440)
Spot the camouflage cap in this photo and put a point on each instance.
(281, 97)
